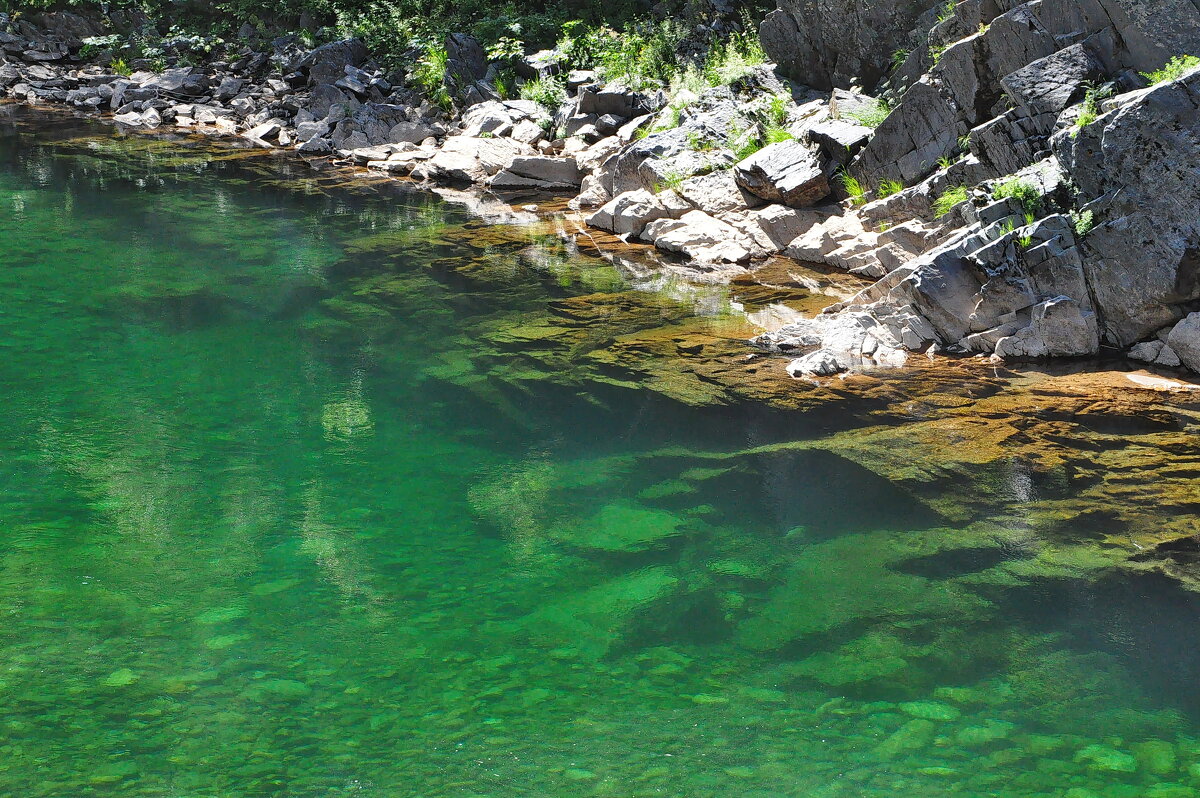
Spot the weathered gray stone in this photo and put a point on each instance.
(787, 172)
(1184, 341)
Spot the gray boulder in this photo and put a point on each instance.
(1184, 341)
(787, 172)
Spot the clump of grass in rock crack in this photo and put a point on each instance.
(774, 134)
(872, 114)
(899, 57)
(935, 52)
(946, 161)
(854, 187)
(671, 181)
(1083, 222)
(889, 187)
(1026, 194)
(949, 200)
(776, 111)
(1172, 70)
(1091, 107)
(947, 11)
(547, 91)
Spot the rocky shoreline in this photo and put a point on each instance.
(1020, 183)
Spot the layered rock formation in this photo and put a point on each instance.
(1003, 171)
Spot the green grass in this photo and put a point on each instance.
(949, 200)
(854, 187)
(775, 134)
(899, 57)
(1172, 70)
(872, 114)
(1026, 194)
(947, 11)
(671, 180)
(734, 59)
(548, 91)
(889, 187)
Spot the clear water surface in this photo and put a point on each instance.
(271, 526)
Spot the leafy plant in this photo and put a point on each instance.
(777, 110)
(1027, 195)
(945, 162)
(429, 74)
(1083, 222)
(899, 57)
(1025, 241)
(775, 134)
(547, 91)
(1172, 70)
(872, 114)
(949, 200)
(947, 10)
(119, 67)
(854, 187)
(964, 143)
(1008, 227)
(889, 187)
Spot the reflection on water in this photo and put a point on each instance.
(267, 528)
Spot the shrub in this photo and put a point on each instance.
(1026, 194)
(949, 200)
(429, 74)
(889, 187)
(1172, 70)
(119, 67)
(872, 114)
(853, 187)
(733, 59)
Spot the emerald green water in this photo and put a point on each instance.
(282, 517)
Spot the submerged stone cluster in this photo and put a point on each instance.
(1019, 182)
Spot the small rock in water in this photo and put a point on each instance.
(930, 710)
(1101, 757)
(121, 677)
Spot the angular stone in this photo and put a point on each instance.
(787, 172)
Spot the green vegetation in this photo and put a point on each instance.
(935, 52)
(671, 180)
(119, 67)
(1172, 70)
(1091, 107)
(1083, 222)
(429, 73)
(1026, 194)
(947, 11)
(774, 134)
(548, 91)
(854, 187)
(899, 57)
(945, 162)
(949, 200)
(889, 187)
(872, 114)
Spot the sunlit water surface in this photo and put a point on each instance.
(265, 531)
